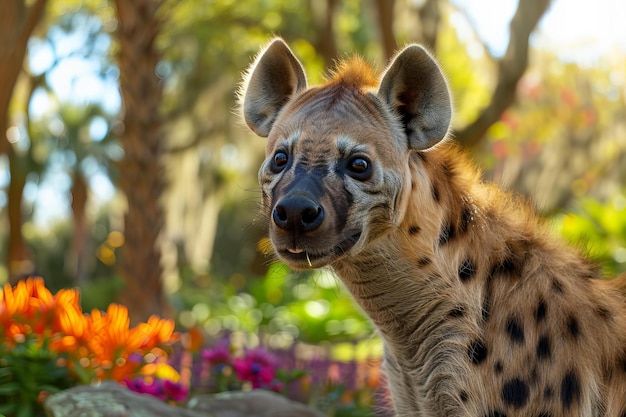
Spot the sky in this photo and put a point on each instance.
(582, 31)
(579, 30)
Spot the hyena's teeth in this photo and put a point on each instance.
(295, 250)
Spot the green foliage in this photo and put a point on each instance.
(28, 373)
(311, 306)
(601, 228)
(341, 402)
(54, 261)
(100, 292)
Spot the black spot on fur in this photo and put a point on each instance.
(448, 169)
(515, 330)
(544, 414)
(570, 390)
(557, 286)
(548, 392)
(463, 396)
(447, 234)
(505, 267)
(495, 413)
(498, 368)
(515, 392)
(604, 313)
(573, 327)
(477, 352)
(435, 192)
(544, 349)
(425, 261)
(457, 312)
(413, 230)
(466, 218)
(540, 312)
(534, 375)
(466, 270)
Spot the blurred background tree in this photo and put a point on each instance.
(125, 169)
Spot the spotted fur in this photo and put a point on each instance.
(482, 312)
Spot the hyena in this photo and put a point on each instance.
(481, 311)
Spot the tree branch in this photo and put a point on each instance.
(510, 69)
(430, 16)
(325, 27)
(385, 26)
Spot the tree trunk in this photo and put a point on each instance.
(17, 23)
(19, 258)
(141, 176)
(324, 21)
(384, 9)
(430, 17)
(78, 262)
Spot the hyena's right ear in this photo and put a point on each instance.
(271, 80)
(415, 88)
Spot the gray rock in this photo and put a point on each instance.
(113, 400)
(257, 403)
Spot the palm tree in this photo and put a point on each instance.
(17, 23)
(141, 173)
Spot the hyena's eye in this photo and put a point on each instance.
(279, 161)
(359, 168)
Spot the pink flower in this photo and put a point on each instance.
(163, 389)
(219, 355)
(148, 386)
(175, 391)
(257, 367)
(276, 386)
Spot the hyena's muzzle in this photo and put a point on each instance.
(309, 218)
(299, 211)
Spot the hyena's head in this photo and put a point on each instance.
(336, 174)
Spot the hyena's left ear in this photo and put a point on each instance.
(414, 87)
(271, 80)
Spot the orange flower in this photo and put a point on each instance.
(193, 339)
(28, 305)
(112, 342)
(68, 315)
(102, 344)
(108, 332)
(155, 332)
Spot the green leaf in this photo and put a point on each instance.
(7, 408)
(10, 388)
(25, 409)
(50, 388)
(4, 372)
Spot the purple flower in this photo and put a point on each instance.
(219, 355)
(162, 389)
(135, 358)
(175, 391)
(148, 386)
(257, 367)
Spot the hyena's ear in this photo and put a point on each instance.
(414, 87)
(271, 80)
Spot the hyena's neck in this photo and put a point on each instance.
(455, 229)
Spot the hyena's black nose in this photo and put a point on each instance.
(298, 213)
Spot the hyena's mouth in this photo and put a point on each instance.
(314, 257)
